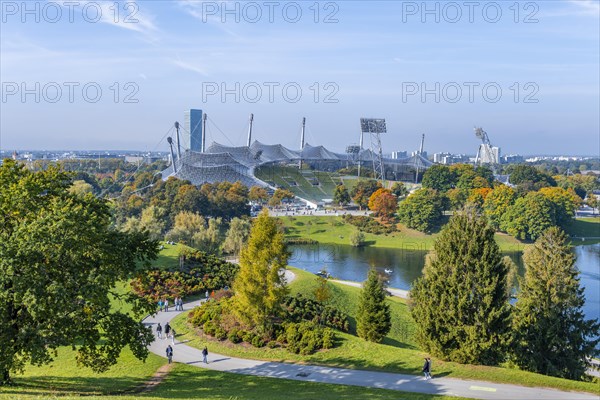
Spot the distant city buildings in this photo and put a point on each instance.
(448, 158)
(399, 154)
(512, 159)
(193, 127)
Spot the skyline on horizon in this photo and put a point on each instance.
(388, 60)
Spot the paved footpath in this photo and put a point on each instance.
(383, 380)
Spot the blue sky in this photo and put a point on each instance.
(374, 59)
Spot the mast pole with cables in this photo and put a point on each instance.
(204, 116)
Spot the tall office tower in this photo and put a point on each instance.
(193, 127)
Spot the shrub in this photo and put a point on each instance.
(209, 328)
(257, 341)
(298, 309)
(369, 224)
(220, 333)
(357, 239)
(307, 337)
(234, 336)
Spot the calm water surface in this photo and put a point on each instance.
(350, 263)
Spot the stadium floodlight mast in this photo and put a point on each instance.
(353, 151)
(487, 148)
(374, 127)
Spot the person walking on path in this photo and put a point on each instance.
(166, 301)
(173, 336)
(205, 355)
(170, 354)
(176, 302)
(160, 305)
(427, 368)
(167, 329)
(181, 304)
(159, 331)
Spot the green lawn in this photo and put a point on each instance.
(585, 228)
(398, 353)
(331, 229)
(187, 382)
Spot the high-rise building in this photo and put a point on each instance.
(193, 128)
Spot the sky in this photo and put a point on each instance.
(117, 75)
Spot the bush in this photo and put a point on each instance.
(369, 224)
(307, 337)
(257, 341)
(357, 239)
(298, 309)
(234, 336)
(209, 328)
(220, 333)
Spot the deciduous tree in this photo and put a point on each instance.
(383, 203)
(59, 261)
(341, 196)
(422, 210)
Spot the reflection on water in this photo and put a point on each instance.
(351, 263)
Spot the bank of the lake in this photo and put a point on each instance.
(334, 230)
(398, 353)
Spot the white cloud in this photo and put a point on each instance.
(190, 67)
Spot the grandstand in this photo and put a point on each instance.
(276, 166)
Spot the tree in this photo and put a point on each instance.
(357, 238)
(374, 320)
(209, 240)
(60, 258)
(81, 188)
(363, 191)
(399, 189)
(259, 286)
(153, 221)
(552, 336)
(279, 196)
(439, 177)
(322, 290)
(529, 216)
(187, 226)
(383, 203)
(237, 235)
(422, 210)
(528, 178)
(341, 196)
(497, 203)
(564, 203)
(460, 304)
(258, 194)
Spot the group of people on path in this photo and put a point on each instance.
(163, 304)
(169, 332)
(169, 352)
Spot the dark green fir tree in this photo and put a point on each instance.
(460, 304)
(374, 319)
(552, 336)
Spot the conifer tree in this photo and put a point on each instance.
(374, 319)
(460, 304)
(259, 286)
(552, 336)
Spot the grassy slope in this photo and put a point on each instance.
(334, 230)
(187, 382)
(398, 353)
(585, 228)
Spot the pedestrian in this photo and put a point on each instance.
(166, 302)
(427, 368)
(167, 329)
(205, 355)
(173, 336)
(207, 295)
(159, 331)
(170, 354)
(160, 305)
(181, 304)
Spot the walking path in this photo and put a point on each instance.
(382, 380)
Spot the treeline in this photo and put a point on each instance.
(535, 202)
